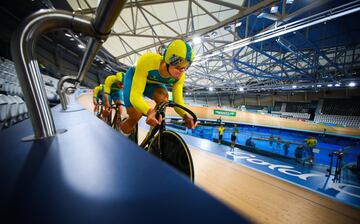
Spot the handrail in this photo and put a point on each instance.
(23, 53)
(106, 15)
(61, 93)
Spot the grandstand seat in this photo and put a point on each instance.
(21, 108)
(13, 109)
(2, 85)
(4, 111)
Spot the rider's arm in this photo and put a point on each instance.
(178, 95)
(106, 101)
(138, 85)
(107, 89)
(96, 91)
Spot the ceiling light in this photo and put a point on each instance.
(196, 40)
(211, 89)
(329, 85)
(274, 9)
(289, 1)
(81, 46)
(261, 15)
(241, 89)
(68, 35)
(318, 85)
(352, 84)
(294, 87)
(238, 24)
(337, 84)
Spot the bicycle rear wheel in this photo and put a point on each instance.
(175, 152)
(116, 120)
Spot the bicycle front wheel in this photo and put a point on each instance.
(175, 152)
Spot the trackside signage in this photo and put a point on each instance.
(225, 113)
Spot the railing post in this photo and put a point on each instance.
(23, 52)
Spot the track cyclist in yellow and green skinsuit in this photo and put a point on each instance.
(113, 91)
(97, 95)
(149, 76)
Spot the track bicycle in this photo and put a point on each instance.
(100, 110)
(168, 145)
(115, 121)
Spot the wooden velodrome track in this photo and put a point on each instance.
(261, 198)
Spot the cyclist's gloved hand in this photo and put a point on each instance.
(151, 118)
(189, 121)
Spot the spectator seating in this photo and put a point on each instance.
(347, 121)
(12, 110)
(346, 107)
(12, 107)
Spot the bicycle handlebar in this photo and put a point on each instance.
(160, 110)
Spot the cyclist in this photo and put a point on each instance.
(221, 130)
(149, 76)
(113, 91)
(97, 96)
(311, 143)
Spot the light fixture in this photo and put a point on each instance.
(289, 2)
(337, 84)
(68, 35)
(241, 89)
(196, 40)
(274, 9)
(329, 85)
(352, 84)
(318, 85)
(238, 24)
(261, 15)
(81, 46)
(294, 87)
(211, 89)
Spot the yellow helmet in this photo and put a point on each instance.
(178, 51)
(119, 76)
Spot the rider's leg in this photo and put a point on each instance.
(128, 125)
(118, 104)
(117, 122)
(160, 95)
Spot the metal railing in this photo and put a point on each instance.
(23, 52)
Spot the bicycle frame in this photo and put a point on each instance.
(161, 127)
(116, 118)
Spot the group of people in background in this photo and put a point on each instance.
(234, 134)
(275, 142)
(111, 92)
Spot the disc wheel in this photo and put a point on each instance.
(176, 153)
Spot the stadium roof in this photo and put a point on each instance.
(244, 45)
